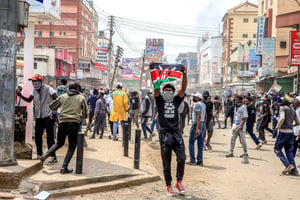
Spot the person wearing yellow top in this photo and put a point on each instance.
(120, 107)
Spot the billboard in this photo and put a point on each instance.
(268, 58)
(46, 8)
(294, 55)
(154, 49)
(101, 58)
(131, 69)
(261, 23)
(254, 61)
(216, 75)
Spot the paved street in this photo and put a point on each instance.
(220, 177)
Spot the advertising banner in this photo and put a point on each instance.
(101, 58)
(131, 69)
(50, 8)
(216, 76)
(261, 22)
(268, 58)
(254, 61)
(154, 49)
(294, 58)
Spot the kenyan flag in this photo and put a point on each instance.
(161, 73)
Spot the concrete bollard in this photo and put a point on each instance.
(79, 158)
(126, 135)
(137, 148)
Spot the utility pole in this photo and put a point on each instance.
(111, 22)
(8, 48)
(118, 56)
(142, 71)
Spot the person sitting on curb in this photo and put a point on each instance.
(73, 110)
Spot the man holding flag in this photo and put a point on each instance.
(167, 104)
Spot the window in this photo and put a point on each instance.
(255, 20)
(262, 7)
(245, 35)
(39, 46)
(34, 65)
(51, 34)
(246, 20)
(40, 22)
(51, 23)
(254, 35)
(271, 2)
(60, 33)
(40, 34)
(64, 33)
(267, 4)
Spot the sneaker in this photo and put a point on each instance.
(190, 163)
(229, 155)
(52, 161)
(243, 155)
(245, 159)
(294, 173)
(288, 169)
(180, 188)
(101, 137)
(264, 142)
(208, 146)
(92, 137)
(259, 146)
(66, 170)
(170, 191)
(115, 139)
(200, 163)
(150, 138)
(109, 137)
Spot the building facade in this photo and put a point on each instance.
(210, 54)
(239, 26)
(190, 61)
(76, 32)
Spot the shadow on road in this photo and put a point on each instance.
(187, 197)
(215, 167)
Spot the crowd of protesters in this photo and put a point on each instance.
(169, 112)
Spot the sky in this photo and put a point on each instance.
(206, 14)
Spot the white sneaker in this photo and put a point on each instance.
(259, 146)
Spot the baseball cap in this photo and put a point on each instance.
(36, 77)
(199, 95)
(206, 94)
(119, 84)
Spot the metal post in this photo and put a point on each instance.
(8, 49)
(126, 135)
(243, 69)
(79, 158)
(137, 148)
(298, 80)
(111, 32)
(142, 71)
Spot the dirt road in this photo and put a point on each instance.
(220, 177)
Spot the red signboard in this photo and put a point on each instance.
(294, 48)
(101, 67)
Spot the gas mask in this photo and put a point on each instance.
(37, 85)
(168, 96)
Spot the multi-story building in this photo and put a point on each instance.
(288, 16)
(76, 32)
(210, 54)
(190, 61)
(101, 65)
(239, 26)
(271, 9)
(52, 64)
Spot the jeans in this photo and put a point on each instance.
(40, 125)
(99, 124)
(166, 155)
(261, 129)
(156, 123)
(217, 116)
(65, 129)
(145, 127)
(199, 139)
(249, 129)
(182, 117)
(134, 116)
(286, 141)
(116, 129)
(91, 114)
